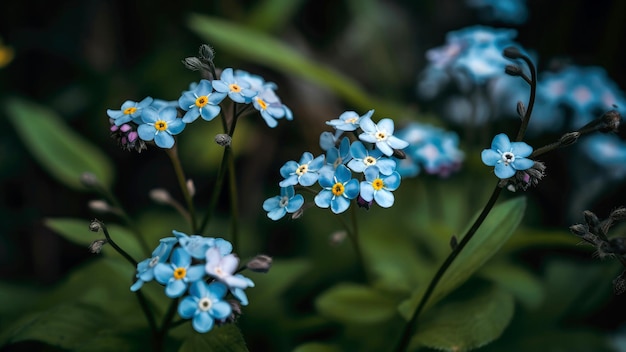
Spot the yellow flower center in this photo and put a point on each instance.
(180, 273)
(369, 160)
(235, 88)
(130, 111)
(302, 169)
(338, 189)
(352, 120)
(160, 125)
(381, 136)
(202, 101)
(378, 184)
(261, 103)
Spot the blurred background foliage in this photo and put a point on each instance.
(78, 58)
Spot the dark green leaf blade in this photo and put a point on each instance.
(60, 151)
(352, 303)
(226, 338)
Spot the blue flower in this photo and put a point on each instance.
(205, 304)
(507, 157)
(607, 151)
(197, 245)
(286, 202)
(338, 189)
(379, 187)
(160, 126)
(329, 140)
(178, 274)
(507, 11)
(222, 268)
(238, 90)
(305, 172)
(266, 100)
(130, 111)
(382, 135)
(201, 101)
(336, 156)
(362, 158)
(349, 120)
(145, 268)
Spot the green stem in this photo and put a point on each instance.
(232, 183)
(531, 100)
(182, 183)
(116, 247)
(410, 327)
(216, 190)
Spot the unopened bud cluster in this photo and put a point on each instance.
(594, 232)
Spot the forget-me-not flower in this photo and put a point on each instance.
(338, 189)
(349, 120)
(381, 134)
(161, 126)
(178, 273)
(266, 101)
(222, 268)
(362, 158)
(201, 101)
(205, 305)
(507, 157)
(130, 111)
(238, 90)
(336, 156)
(197, 245)
(329, 139)
(379, 187)
(145, 268)
(287, 202)
(304, 173)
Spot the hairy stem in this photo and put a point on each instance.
(182, 183)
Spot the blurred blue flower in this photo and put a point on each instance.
(222, 268)
(304, 173)
(205, 305)
(201, 101)
(238, 90)
(130, 111)
(338, 189)
(197, 245)
(161, 126)
(507, 11)
(607, 151)
(287, 202)
(145, 268)
(363, 158)
(379, 187)
(507, 157)
(349, 120)
(381, 134)
(336, 156)
(178, 273)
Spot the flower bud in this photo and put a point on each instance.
(194, 64)
(569, 138)
(297, 214)
(260, 264)
(88, 179)
(206, 53)
(618, 214)
(513, 70)
(223, 139)
(191, 187)
(95, 225)
(512, 52)
(579, 230)
(611, 120)
(619, 284)
(592, 220)
(99, 205)
(96, 246)
(521, 109)
(160, 196)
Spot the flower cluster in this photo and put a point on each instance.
(507, 11)
(372, 155)
(203, 270)
(158, 121)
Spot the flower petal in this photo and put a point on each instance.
(521, 149)
(202, 322)
(501, 142)
(522, 163)
(323, 198)
(490, 157)
(504, 171)
(164, 140)
(187, 307)
(384, 198)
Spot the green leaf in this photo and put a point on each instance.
(351, 303)
(261, 48)
(499, 225)
(468, 323)
(226, 338)
(59, 150)
(77, 231)
(521, 283)
(317, 347)
(19, 296)
(272, 14)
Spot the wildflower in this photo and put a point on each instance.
(197, 245)
(238, 90)
(177, 274)
(382, 135)
(349, 120)
(305, 172)
(338, 189)
(127, 137)
(160, 126)
(379, 187)
(222, 268)
(336, 156)
(145, 268)
(201, 101)
(507, 157)
(508, 11)
(362, 158)
(286, 202)
(329, 140)
(130, 111)
(205, 305)
(607, 151)
(266, 101)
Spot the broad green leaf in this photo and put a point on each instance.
(62, 152)
(466, 324)
(226, 338)
(352, 303)
(490, 236)
(77, 231)
(521, 283)
(19, 297)
(317, 347)
(261, 48)
(269, 15)
(555, 339)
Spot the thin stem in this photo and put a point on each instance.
(531, 100)
(182, 183)
(116, 247)
(216, 190)
(410, 327)
(232, 183)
